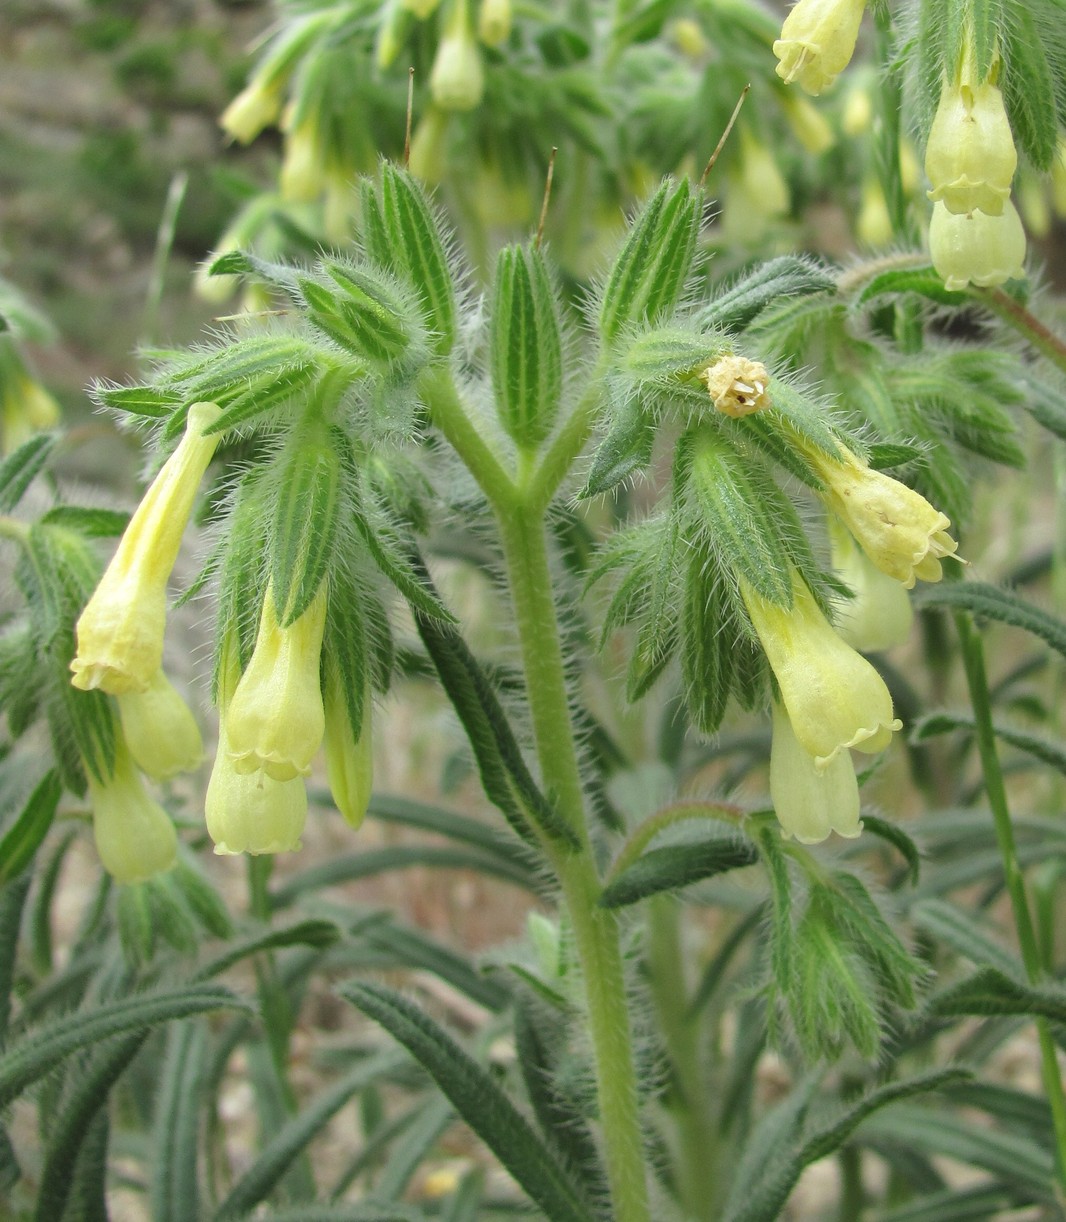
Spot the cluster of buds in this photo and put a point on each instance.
(976, 235)
(817, 42)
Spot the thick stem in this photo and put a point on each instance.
(596, 931)
(977, 680)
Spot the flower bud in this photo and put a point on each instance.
(494, 22)
(429, 159)
(895, 526)
(160, 729)
(421, 8)
(874, 225)
(303, 169)
(817, 42)
(737, 386)
(120, 632)
(976, 248)
(256, 106)
(349, 760)
(275, 722)
(809, 801)
(457, 79)
(757, 193)
(970, 158)
(25, 406)
(135, 837)
(834, 698)
(810, 126)
(880, 615)
(858, 111)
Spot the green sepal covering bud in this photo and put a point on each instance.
(708, 640)
(525, 346)
(668, 355)
(305, 520)
(349, 754)
(653, 266)
(401, 232)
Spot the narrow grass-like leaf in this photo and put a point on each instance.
(413, 1149)
(88, 1189)
(964, 934)
(273, 1161)
(317, 934)
(175, 1189)
(478, 1099)
(22, 839)
(1043, 749)
(924, 281)
(20, 468)
(417, 950)
(35, 1054)
(12, 902)
(979, 1204)
(787, 276)
(362, 1211)
(989, 991)
(391, 808)
(893, 834)
(985, 601)
(678, 865)
(72, 1125)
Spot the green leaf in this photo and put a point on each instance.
(1028, 85)
(12, 903)
(525, 348)
(20, 468)
(36, 1054)
(709, 645)
(416, 950)
(413, 1148)
(410, 813)
(280, 1153)
(980, 1204)
(22, 839)
(363, 1211)
(626, 449)
(138, 400)
(894, 835)
(315, 933)
(934, 724)
(73, 1124)
(989, 991)
(305, 524)
(478, 1099)
(787, 276)
(985, 601)
(92, 523)
(678, 865)
(392, 554)
(175, 1188)
(964, 934)
(925, 281)
(764, 1184)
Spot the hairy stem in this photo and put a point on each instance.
(1015, 315)
(977, 680)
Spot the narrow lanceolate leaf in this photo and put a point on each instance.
(21, 840)
(66, 1138)
(317, 934)
(891, 832)
(279, 1154)
(985, 601)
(35, 1054)
(1043, 749)
(742, 301)
(678, 865)
(990, 991)
(138, 400)
(708, 641)
(305, 523)
(92, 523)
(525, 346)
(626, 449)
(923, 281)
(415, 246)
(21, 468)
(1029, 85)
(505, 776)
(478, 1099)
(175, 1190)
(391, 553)
(762, 1187)
(649, 275)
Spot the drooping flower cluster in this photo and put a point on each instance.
(976, 235)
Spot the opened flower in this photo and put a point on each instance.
(457, 78)
(880, 614)
(834, 697)
(810, 801)
(817, 42)
(276, 721)
(120, 632)
(977, 248)
(895, 526)
(134, 835)
(160, 729)
(970, 158)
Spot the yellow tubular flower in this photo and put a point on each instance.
(276, 722)
(810, 802)
(833, 696)
(160, 729)
(895, 526)
(817, 42)
(120, 632)
(810, 126)
(970, 158)
(349, 760)
(494, 22)
(880, 615)
(251, 812)
(303, 168)
(135, 837)
(975, 248)
(255, 107)
(457, 78)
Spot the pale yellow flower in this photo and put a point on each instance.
(494, 22)
(970, 158)
(160, 729)
(880, 615)
(976, 248)
(135, 837)
(256, 106)
(120, 632)
(349, 760)
(833, 696)
(251, 812)
(276, 721)
(457, 78)
(895, 526)
(817, 42)
(303, 167)
(810, 801)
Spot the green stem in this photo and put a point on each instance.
(449, 415)
(977, 680)
(567, 444)
(596, 931)
(1046, 342)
